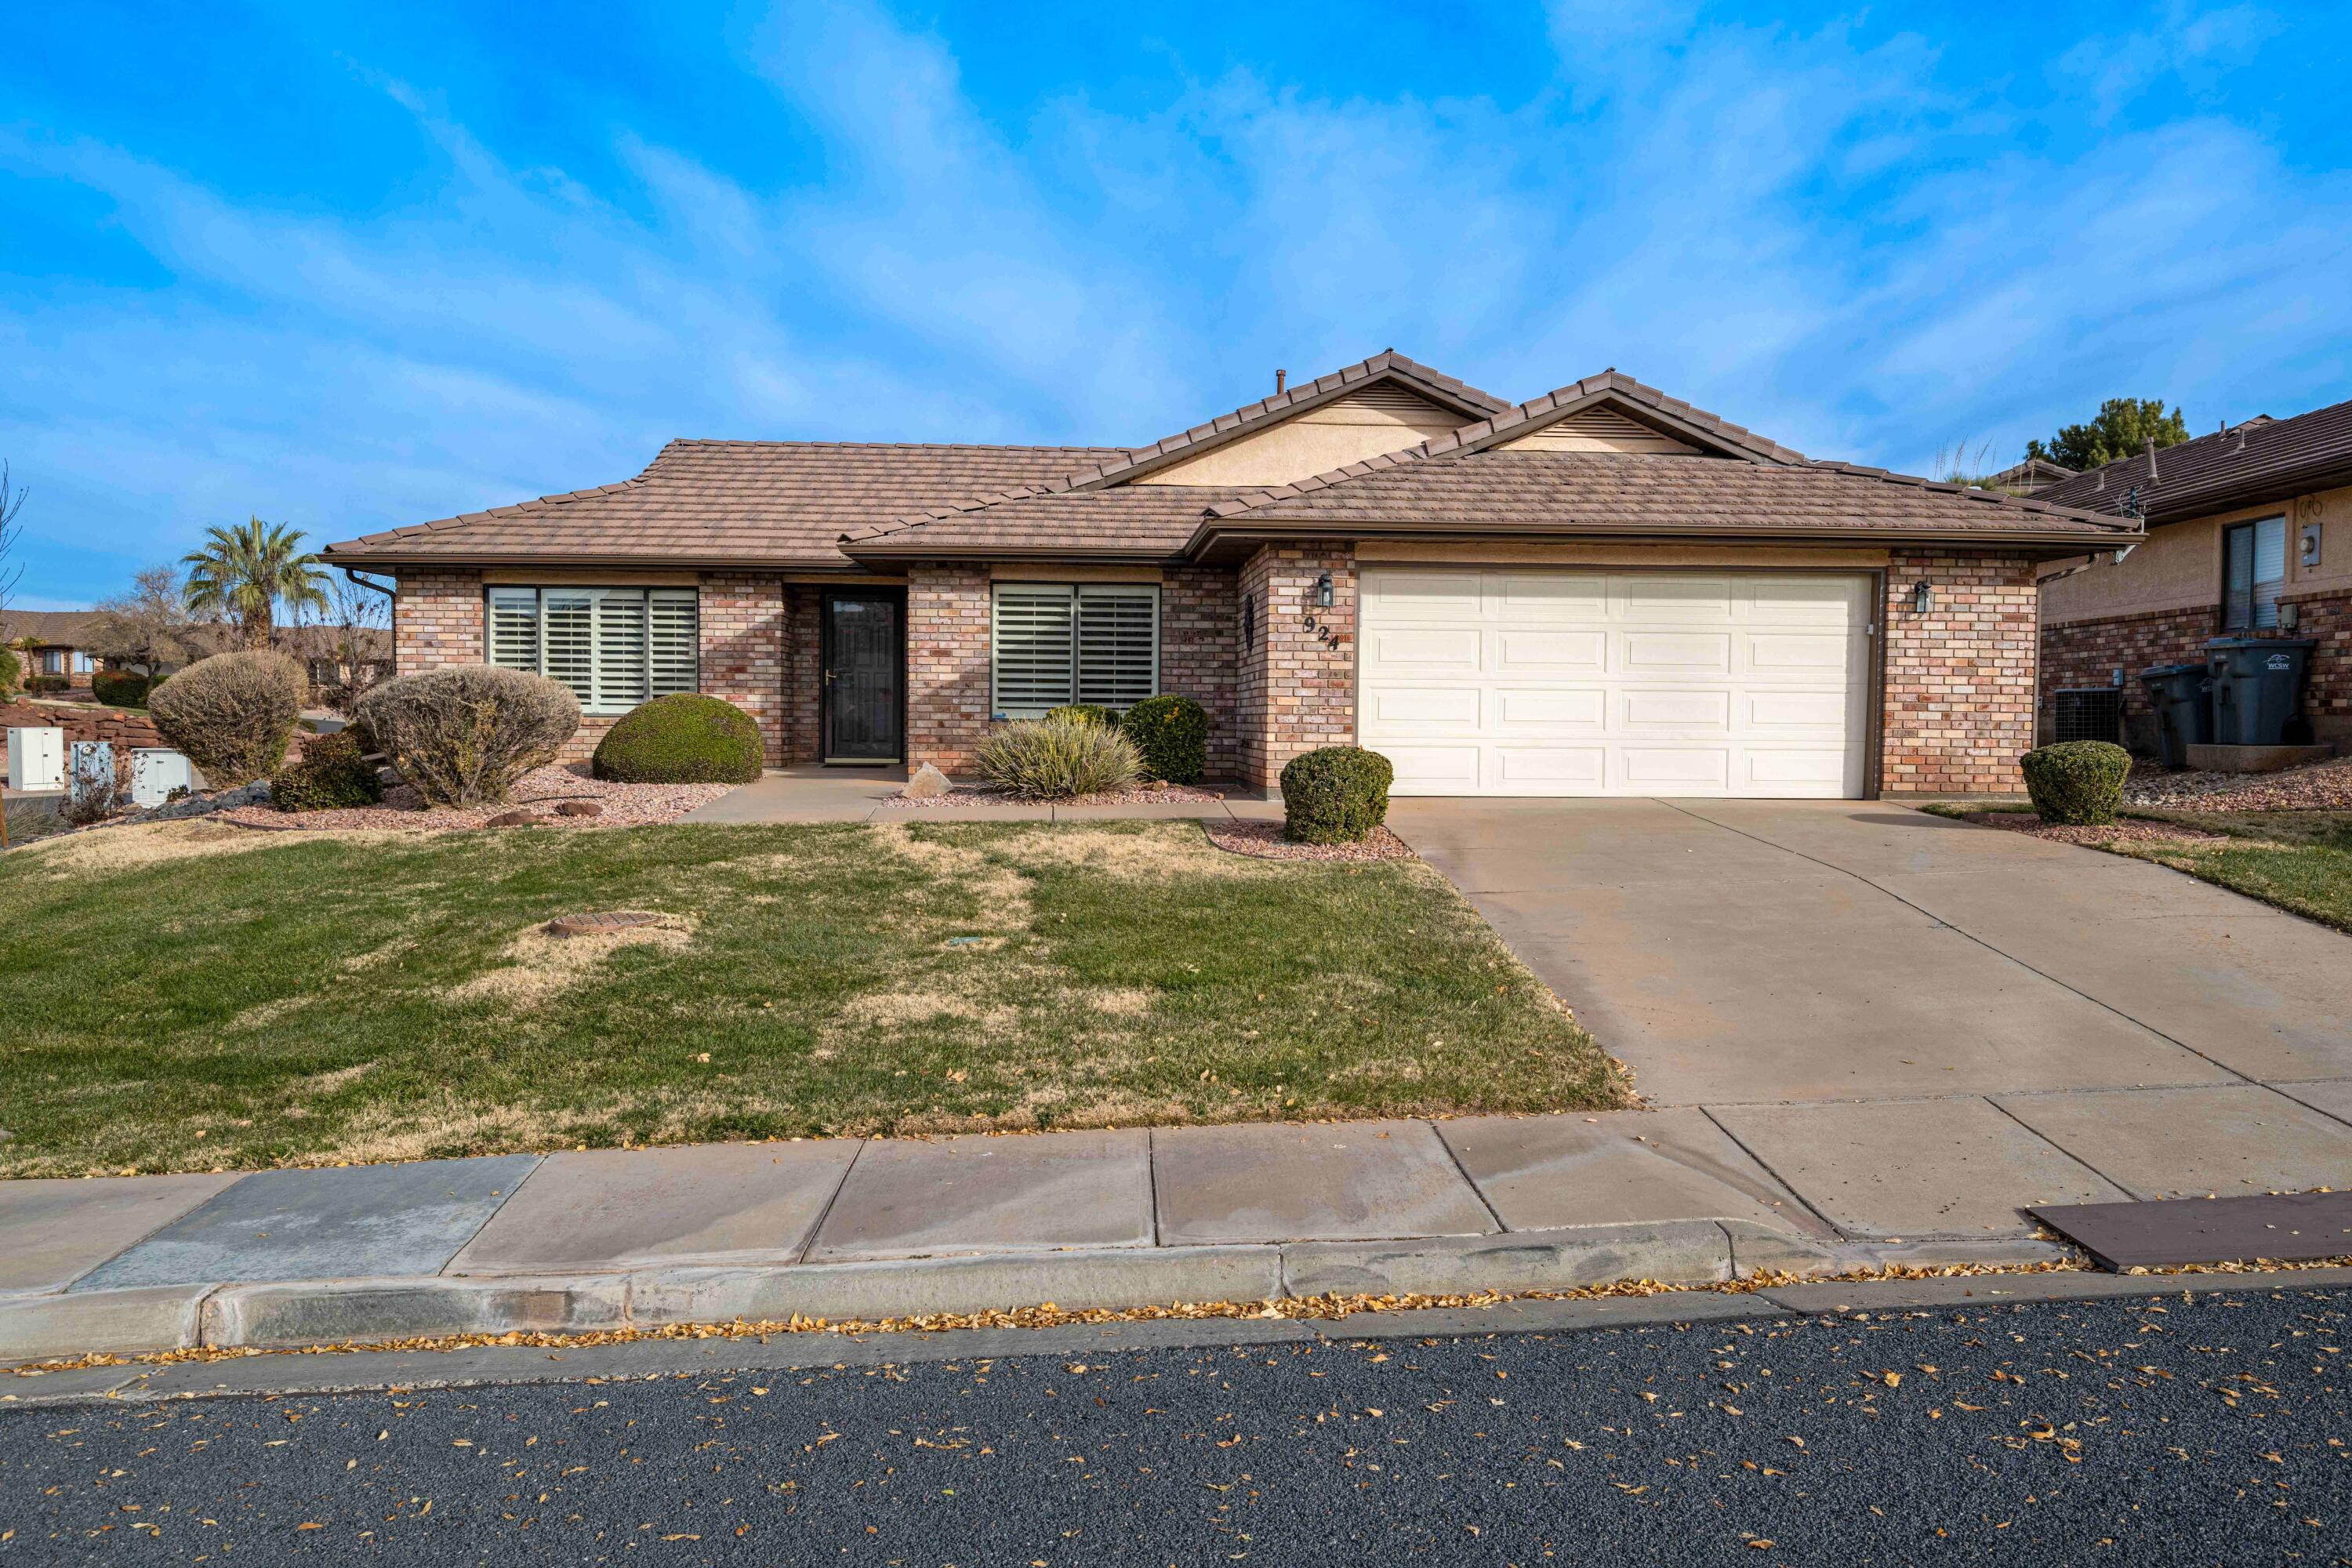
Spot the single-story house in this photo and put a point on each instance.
(52, 643)
(2249, 534)
(1603, 590)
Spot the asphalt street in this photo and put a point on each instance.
(2202, 1431)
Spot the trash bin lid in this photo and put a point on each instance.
(2162, 671)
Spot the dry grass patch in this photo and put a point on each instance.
(320, 998)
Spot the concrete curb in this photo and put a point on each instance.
(144, 1317)
(1681, 1252)
(307, 1312)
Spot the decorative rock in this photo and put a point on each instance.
(578, 808)
(599, 921)
(927, 782)
(524, 818)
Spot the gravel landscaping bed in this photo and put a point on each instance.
(2131, 832)
(1264, 840)
(542, 791)
(2321, 786)
(989, 795)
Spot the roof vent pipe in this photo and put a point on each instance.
(2151, 456)
(1279, 377)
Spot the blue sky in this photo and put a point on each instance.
(348, 267)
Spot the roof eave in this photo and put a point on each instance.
(393, 560)
(1216, 539)
(914, 550)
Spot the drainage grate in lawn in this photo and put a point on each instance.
(2293, 1227)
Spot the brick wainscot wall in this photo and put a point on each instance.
(1959, 705)
(2088, 652)
(1296, 688)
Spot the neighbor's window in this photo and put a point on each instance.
(614, 646)
(53, 661)
(2254, 571)
(82, 665)
(1085, 642)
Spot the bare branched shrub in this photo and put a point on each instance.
(99, 788)
(463, 736)
(232, 714)
(1054, 759)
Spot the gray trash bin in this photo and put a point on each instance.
(2257, 687)
(2181, 696)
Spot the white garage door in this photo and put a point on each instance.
(1558, 681)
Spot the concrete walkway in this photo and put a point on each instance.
(807, 795)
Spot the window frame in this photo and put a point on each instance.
(2252, 622)
(998, 709)
(594, 704)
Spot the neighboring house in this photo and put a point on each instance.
(60, 643)
(327, 661)
(1604, 590)
(2031, 477)
(2249, 533)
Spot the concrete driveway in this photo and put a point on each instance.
(1871, 998)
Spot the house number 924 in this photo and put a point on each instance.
(1329, 636)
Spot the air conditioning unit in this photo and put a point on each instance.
(156, 772)
(2090, 713)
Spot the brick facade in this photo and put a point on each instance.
(743, 621)
(1959, 696)
(947, 665)
(1200, 631)
(2326, 619)
(1296, 685)
(436, 620)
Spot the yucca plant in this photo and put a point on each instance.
(1055, 759)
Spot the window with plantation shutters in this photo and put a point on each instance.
(2254, 574)
(1057, 643)
(614, 647)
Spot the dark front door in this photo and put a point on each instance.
(863, 677)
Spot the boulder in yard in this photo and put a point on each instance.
(578, 808)
(927, 782)
(520, 817)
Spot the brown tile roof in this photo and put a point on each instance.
(2246, 465)
(1645, 404)
(1603, 493)
(727, 502)
(1387, 366)
(56, 628)
(1131, 522)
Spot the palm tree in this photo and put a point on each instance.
(242, 572)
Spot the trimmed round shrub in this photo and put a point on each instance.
(119, 688)
(331, 773)
(1171, 735)
(680, 739)
(1335, 796)
(2077, 783)
(231, 713)
(1085, 713)
(1055, 759)
(463, 735)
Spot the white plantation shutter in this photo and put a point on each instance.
(1119, 644)
(613, 647)
(1037, 648)
(673, 640)
(567, 629)
(514, 628)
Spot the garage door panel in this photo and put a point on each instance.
(1521, 653)
(1548, 769)
(1434, 770)
(1557, 708)
(1676, 653)
(1538, 598)
(1777, 712)
(1446, 708)
(1654, 709)
(1672, 598)
(1425, 650)
(1574, 682)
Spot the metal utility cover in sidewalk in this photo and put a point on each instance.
(2292, 1228)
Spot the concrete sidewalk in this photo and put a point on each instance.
(813, 795)
(845, 1228)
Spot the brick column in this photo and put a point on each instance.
(1960, 678)
(436, 619)
(1199, 632)
(1296, 685)
(743, 633)
(947, 665)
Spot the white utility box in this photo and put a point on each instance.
(156, 772)
(37, 757)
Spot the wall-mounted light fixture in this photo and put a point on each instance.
(1923, 598)
(1323, 591)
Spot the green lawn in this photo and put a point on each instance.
(191, 996)
(2299, 860)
